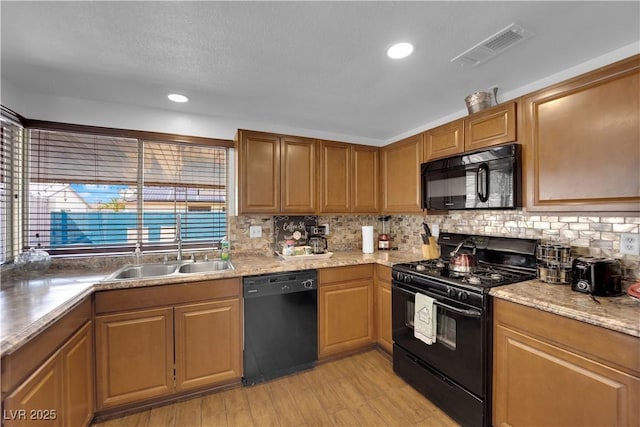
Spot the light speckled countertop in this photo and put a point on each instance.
(28, 306)
(620, 314)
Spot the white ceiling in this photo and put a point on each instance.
(319, 66)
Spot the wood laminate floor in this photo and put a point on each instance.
(359, 390)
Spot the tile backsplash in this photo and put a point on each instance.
(587, 235)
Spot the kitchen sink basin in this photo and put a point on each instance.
(205, 267)
(145, 270)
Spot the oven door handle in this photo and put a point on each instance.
(460, 311)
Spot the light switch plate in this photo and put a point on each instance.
(630, 244)
(255, 231)
(326, 229)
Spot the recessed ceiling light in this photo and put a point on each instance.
(400, 50)
(176, 97)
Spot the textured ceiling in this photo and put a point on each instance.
(310, 65)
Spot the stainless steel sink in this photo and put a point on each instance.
(145, 270)
(205, 267)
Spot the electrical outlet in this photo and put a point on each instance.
(630, 244)
(326, 229)
(255, 231)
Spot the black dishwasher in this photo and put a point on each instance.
(280, 324)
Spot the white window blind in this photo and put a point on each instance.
(91, 193)
(10, 157)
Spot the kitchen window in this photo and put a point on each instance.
(10, 158)
(91, 193)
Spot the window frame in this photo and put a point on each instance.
(21, 229)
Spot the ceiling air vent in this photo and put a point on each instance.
(493, 46)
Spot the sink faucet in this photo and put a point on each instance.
(179, 237)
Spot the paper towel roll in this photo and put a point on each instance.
(367, 239)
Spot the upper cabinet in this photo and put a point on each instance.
(365, 179)
(348, 178)
(276, 173)
(489, 127)
(496, 125)
(443, 141)
(583, 142)
(400, 176)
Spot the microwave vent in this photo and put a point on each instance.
(493, 45)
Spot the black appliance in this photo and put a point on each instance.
(455, 371)
(597, 276)
(280, 324)
(487, 179)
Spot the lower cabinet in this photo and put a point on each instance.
(60, 392)
(383, 307)
(189, 339)
(345, 309)
(554, 371)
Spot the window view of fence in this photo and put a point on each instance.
(88, 192)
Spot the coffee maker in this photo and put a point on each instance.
(316, 239)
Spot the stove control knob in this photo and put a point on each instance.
(451, 292)
(462, 295)
(407, 278)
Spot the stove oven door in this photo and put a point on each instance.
(458, 350)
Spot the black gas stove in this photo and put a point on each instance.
(454, 371)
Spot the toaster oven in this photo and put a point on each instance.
(597, 276)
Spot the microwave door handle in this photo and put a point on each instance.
(482, 177)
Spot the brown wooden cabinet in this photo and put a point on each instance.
(276, 173)
(345, 309)
(49, 380)
(582, 138)
(365, 181)
(60, 392)
(553, 371)
(443, 141)
(134, 356)
(383, 307)
(78, 378)
(138, 329)
(400, 176)
(348, 178)
(335, 177)
(207, 342)
(493, 126)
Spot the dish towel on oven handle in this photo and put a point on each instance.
(425, 318)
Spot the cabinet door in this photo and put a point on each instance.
(134, 356)
(335, 177)
(365, 182)
(38, 401)
(538, 384)
(207, 340)
(77, 362)
(298, 175)
(445, 140)
(400, 165)
(345, 317)
(383, 308)
(258, 172)
(583, 136)
(490, 127)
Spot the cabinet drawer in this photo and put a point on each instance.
(345, 274)
(155, 296)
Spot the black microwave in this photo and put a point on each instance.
(486, 179)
